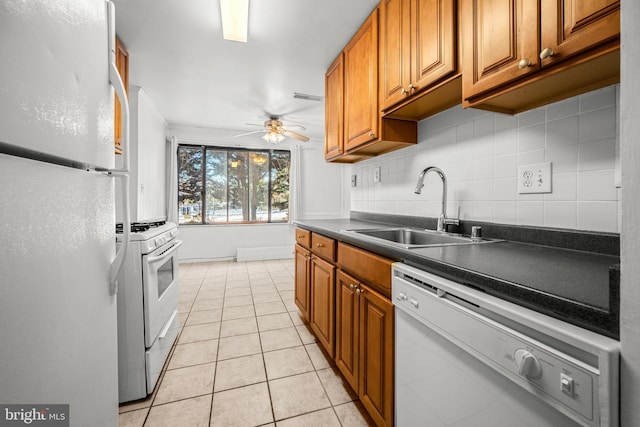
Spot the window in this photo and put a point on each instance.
(218, 185)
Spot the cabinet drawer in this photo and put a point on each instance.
(324, 247)
(303, 237)
(372, 269)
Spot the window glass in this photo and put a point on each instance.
(190, 185)
(218, 185)
(280, 186)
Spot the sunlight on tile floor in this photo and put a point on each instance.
(244, 357)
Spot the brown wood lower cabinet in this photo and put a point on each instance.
(302, 278)
(343, 291)
(347, 325)
(376, 355)
(323, 303)
(364, 345)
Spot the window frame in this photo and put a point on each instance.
(203, 180)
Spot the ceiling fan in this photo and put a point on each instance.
(275, 131)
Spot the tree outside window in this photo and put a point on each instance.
(218, 185)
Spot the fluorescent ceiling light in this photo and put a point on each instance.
(235, 18)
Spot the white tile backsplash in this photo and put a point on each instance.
(561, 214)
(531, 138)
(480, 152)
(597, 125)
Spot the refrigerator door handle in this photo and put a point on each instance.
(116, 81)
(118, 262)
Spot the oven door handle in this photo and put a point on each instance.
(165, 254)
(163, 332)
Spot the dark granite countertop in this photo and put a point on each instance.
(580, 287)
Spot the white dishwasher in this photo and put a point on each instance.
(465, 358)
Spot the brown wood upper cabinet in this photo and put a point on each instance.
(334, 109)
(122, 64)
(361, 85)
(355, 129)
(521, 54)
(418, 47)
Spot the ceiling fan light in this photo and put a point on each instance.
(273, 137)
(235, 19)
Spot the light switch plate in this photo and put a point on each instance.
(534, 178)
(377, 171)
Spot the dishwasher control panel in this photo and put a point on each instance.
(545, 369)
(568, 384)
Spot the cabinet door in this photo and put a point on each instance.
(334, 109)
(376, 356)
(433, 42)
(122, 64)
(361, 85)
(302, 296)
(500, 39)
(323, 303)
(572, 26)
(395, 51)
(347, 326)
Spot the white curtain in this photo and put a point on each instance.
(295, 185)
(172, 179)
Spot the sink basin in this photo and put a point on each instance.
(418, 238)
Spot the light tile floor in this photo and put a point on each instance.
(244, 357)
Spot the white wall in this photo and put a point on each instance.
(630, 238)
(321, 197)
(151, 159)
(147, 158)
(480, 151)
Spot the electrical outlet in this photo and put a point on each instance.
(377, 171)
(354, 180)
(534, 178)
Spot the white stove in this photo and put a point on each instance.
(151, 234)
(147, 306)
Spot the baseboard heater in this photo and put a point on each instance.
(265, 253)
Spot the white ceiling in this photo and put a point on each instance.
(194, 77)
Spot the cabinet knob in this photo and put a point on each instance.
(524, 63)
(359, 291)
(547, 52)
(403, 91)
(319, 245)
(371, 134)
(411, 87)
(352, 286)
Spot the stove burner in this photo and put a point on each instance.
(137, 227)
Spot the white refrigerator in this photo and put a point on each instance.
(58, 262)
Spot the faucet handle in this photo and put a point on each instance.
(452, 221)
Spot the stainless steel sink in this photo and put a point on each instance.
(408, 238)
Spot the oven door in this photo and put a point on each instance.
(160, 284)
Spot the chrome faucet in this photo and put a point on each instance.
(443, 221)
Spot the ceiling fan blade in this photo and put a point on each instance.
(248, 133)
(298, 127)
(254, 124)
(295, 135)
